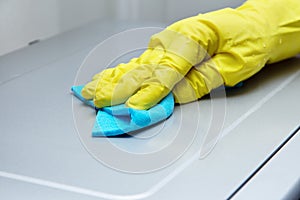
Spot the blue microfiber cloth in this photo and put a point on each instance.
(117, 120)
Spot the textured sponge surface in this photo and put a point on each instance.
(119, 119)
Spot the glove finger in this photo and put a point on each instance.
(116, 90)
(97, 76)
(116, 87)
(88, 91)
(107, 76)
(228, 69)
(172, 67)
(200, 80)
(155, 88)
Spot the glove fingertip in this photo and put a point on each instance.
(86, 93)
(147, 97)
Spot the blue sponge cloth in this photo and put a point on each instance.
(117, 120)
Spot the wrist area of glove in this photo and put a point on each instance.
(281, 20)
(243, 43)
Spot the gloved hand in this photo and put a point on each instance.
(195, 55)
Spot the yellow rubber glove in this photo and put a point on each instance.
(195, 55)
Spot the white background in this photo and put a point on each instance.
(23, 21)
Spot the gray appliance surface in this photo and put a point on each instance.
(280, 178)
(46, 151)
